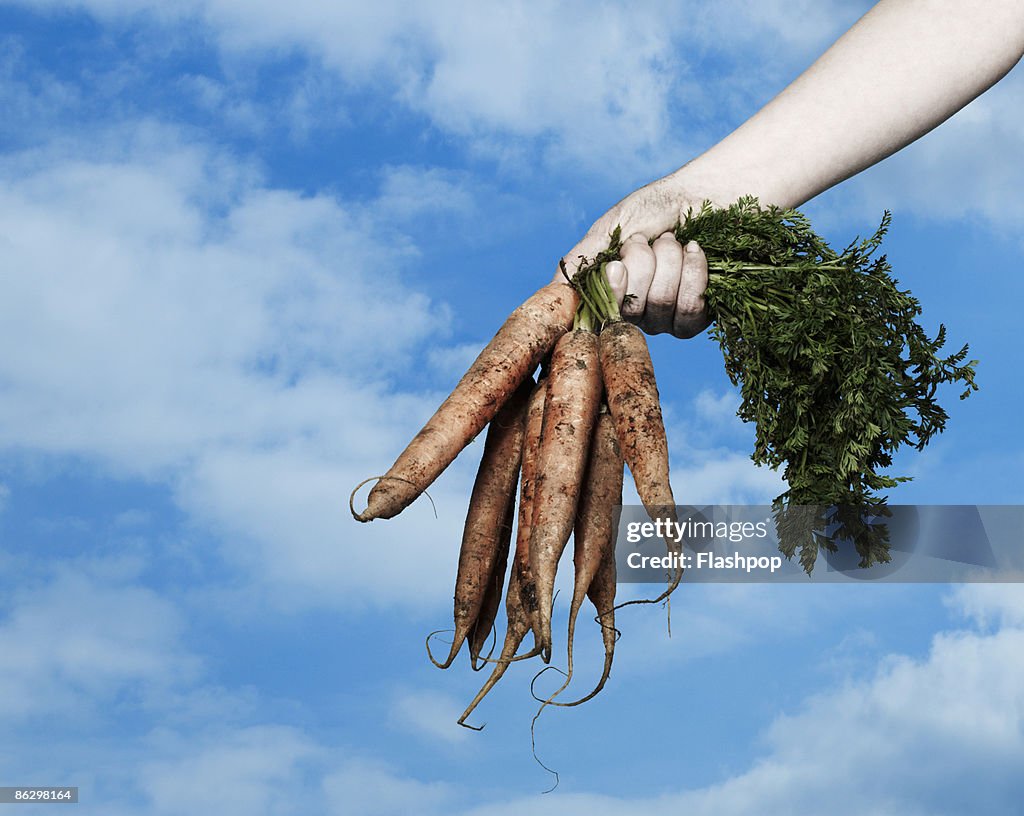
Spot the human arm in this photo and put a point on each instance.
(905, 67)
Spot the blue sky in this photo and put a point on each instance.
(245, 249)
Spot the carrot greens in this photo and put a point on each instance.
(833, 368)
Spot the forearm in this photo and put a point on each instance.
(901, 70)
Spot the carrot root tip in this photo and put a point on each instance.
(430, 654)
(367, 515)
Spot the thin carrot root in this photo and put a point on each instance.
(595, 524)
(484, 625)
(593, 559)
(500, 667)
(570, 411)
(485, 538)
(430, 654)
(512, 354)
(521, 596)
(533, 726)
(519, 657)
(518, 628)
(602, 594)
(522, 572)
(366, 481)
(595, 535)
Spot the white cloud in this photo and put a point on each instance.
(937, 735)
(633, 91)
(371, 788)
(29, 100)
(429, 714)
(274, 770)
(710, 620)
(991, 605)
(595, 85)
(233, 108)
(408, 192)
(717, 408)
(177, 320)
(601, 88)
(84, 638)
(590, 78)
(966, 170)
(710, 448)
(250, 771)
(725, 477)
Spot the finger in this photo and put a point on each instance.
(638, 258)
(617, 279)
(691, 317)
(661, 297)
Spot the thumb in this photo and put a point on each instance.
(618, 279)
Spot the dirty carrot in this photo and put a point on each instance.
(484, 624)
(521, 570)
(601, 593)
(488, 506)
(570, 410)
(595, 527)
(630, 387)
(602, 596)
(635, 406)
(521, 596)
(594, 536)
(519, 621)
(511, 355)
(632, 395)
(636, 409)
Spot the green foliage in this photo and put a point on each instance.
(832, 367)
(597, 301)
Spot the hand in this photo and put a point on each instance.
(666, 283)
(666, 280)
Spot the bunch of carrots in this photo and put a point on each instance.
(788, 309)
(560, 442)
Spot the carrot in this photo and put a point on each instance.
(519, 621)
(595, 523)
(511, 355)
(484, 624)
(522, 573)
(636, 409)
(570, 410)
(521, 598)
(602, 595)
(594, 547)
(493, 489)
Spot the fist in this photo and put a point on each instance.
(660, 286)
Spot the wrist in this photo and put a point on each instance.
(704, 179)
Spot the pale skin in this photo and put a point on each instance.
(905, 67)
